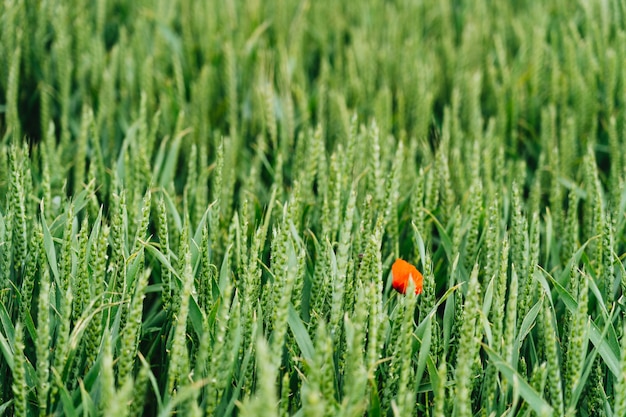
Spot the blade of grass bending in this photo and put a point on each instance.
(79, 202)
(486, 324)
(446, 242)
(593, 287)
(448, 322)
(173, 211)
(83, 321)
(532, 397)
(154, 251)
(7, 352)
(195, 315)
(300, 334)
(427, 387)
(434, 376)
(8, 348)
(4, 407)
(197, 237)
(169, 168)
(488, 297)
(573, 261)
(158, 159)
(8, 329)
(95, 233)
(527, 325)
(48, 245)
(224, 270)
(425, 339)
(153, 381)
(588, 270)
(419, 241)
(433, 311)
(448, 312)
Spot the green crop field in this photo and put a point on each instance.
(201, 203)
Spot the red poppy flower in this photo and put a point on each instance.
(402, 271)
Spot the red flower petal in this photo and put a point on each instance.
(401, 271)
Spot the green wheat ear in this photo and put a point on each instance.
(468, 346)
(620, 382)
(179, 358)
(20, 387)
(577, 341)
(555, 383)
(222, 190)
(264, 402)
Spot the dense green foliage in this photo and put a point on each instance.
(201, 202)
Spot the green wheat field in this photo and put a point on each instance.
(200, 204)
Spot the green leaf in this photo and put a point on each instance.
(66, 399)
(169, 168)
(425, 339)
(433, 311)
(224, 277)
(300, 334)
(374, 409)
(173, 211)
(7, 350)
(160, 257)
(532, 397)
(48, 244)
(419, 241)
(158, 159)
(4, 407)
(8, 329)
(446, 242)
(527, 325)
(197, 237)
